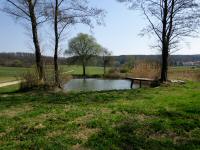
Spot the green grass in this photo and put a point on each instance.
(9, 89)
(161, 118)
(11, 73)
(78, 70)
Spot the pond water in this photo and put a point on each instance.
(97, 85)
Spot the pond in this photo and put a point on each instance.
(97, 85)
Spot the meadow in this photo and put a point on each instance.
(166, 117)
(13, 73)
(182, 73)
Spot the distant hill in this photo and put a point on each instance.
(28, 59)
(174, 60)
(24, 59)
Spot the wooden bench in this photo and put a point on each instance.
(140, 80)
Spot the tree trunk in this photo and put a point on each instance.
(84, 72)
(165, 45)
(164, 70)
(38, 56)
(104, 66)
(56, 71)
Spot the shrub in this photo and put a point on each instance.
(114, 73)
(113, 70)
(29, 81)
(124, 70)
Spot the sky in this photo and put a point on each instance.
(120, 34)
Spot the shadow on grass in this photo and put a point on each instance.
(125, 136)
(65, 98)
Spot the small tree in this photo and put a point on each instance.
(30, 11)
(64, 14)
(106, 56)
(84, 47)
(169, 21)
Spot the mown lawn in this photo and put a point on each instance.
(167, 117)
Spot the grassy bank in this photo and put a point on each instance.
(10, 89)
(167, 117)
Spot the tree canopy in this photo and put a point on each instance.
(84, 47)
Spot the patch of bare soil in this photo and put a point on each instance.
(79, 147)
(41, 118)
(54, 133)
(83, 119)
(85, 133)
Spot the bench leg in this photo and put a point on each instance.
(140, 84)
(132, 81)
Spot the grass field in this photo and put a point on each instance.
(167, 117)
(11, 73)
(78, 70)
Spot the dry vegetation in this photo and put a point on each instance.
(146, 70)
(185, 73)
(152, 70)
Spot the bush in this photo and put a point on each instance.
(113, 70)
(114, 73)
(124, 70)
(29, 81)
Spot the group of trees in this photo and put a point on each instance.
(169, 21)
(62, 14)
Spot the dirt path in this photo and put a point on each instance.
(9, 83)
(68, 71)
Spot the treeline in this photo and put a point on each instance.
(20, 59)
(28, 60)
(174, 60)
(130, 60)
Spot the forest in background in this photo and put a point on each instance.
(28, 59)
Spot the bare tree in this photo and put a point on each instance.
(84, 47)
(30, 11)
(66, 13)
(170, 21)
(106, 56)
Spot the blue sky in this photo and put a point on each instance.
(120, 33)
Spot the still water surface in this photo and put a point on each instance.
(97, 85)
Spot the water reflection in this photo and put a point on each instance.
(97, 85)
